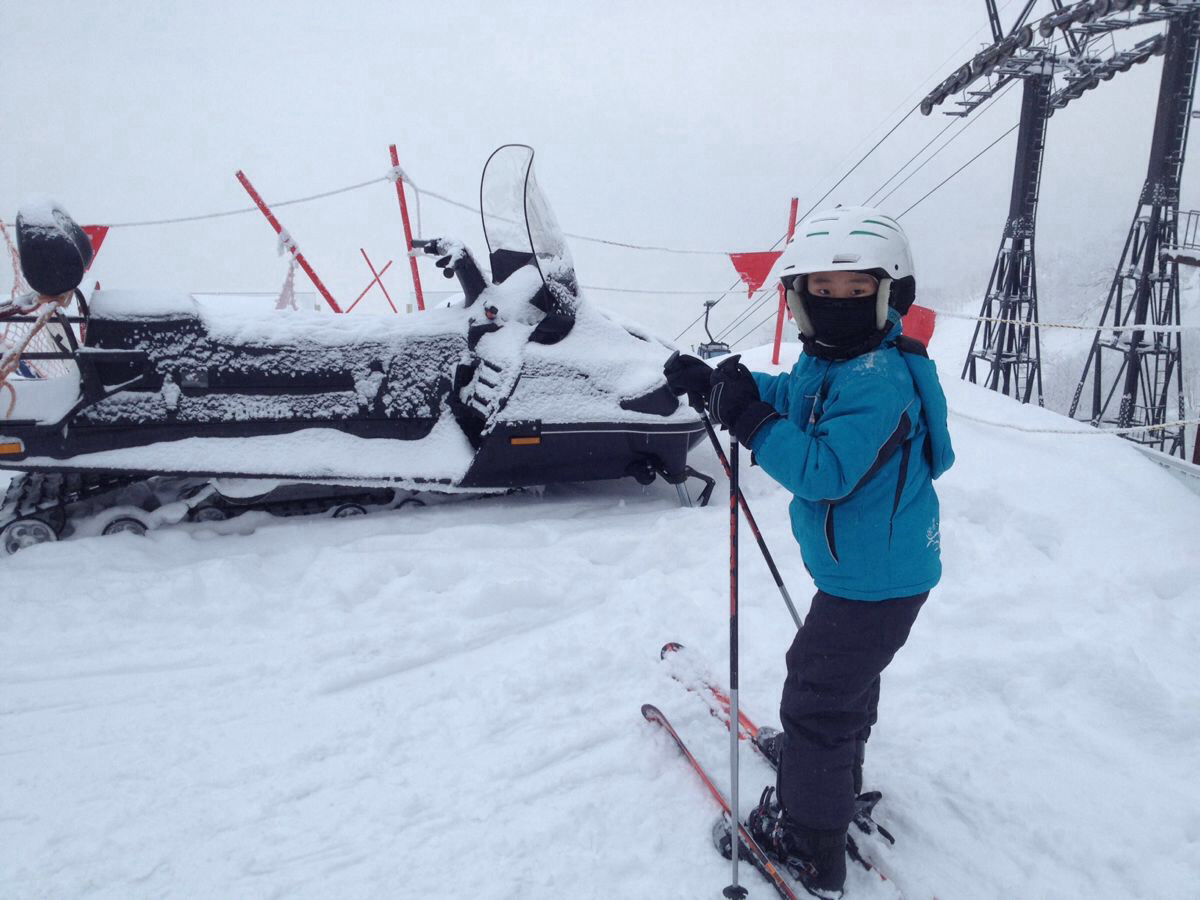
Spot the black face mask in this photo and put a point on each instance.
(841, 323)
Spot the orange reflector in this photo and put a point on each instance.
(11, 448)
(524, 441)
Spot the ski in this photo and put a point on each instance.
(696, 679)
(748, 847)
(698, 682)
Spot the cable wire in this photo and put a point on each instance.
(745, 334)
(949, 125)
(952, 139)
(248, 209)
(948, 178)
(861, 160)
(1075, 432)
(742, 317)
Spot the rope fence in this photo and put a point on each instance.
(397, 174)
(393, 175)
(1081, 432)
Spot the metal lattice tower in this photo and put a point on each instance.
(1131, 361)
(1067, 53)
(1006, 347)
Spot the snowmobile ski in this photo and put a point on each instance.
(695, 678)
(748, 848)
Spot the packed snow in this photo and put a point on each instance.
(444, 702)
(315, 452)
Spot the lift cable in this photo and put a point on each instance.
(874, 193)
(952, 139)
(948, 178)
(746, 314)
(852, 169)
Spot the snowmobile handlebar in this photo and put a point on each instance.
(456, 261)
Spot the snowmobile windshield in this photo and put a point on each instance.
(519, 224)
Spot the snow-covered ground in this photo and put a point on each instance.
(444, 702)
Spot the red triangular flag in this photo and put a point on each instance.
(96, 234)
(753, 268)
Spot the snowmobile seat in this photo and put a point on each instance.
(54, 250)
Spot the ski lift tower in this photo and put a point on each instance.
(1058, 59)
(1005, 349)
(1136, 354)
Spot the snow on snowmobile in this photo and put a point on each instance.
(175, 411)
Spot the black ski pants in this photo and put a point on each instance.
(830, 701)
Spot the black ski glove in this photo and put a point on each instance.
(734, 401)
(688, 375)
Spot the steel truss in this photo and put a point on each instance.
(1130, 358)
(1007, 355)
(1060, 57)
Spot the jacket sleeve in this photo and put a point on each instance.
(773, 389)
(862, 425)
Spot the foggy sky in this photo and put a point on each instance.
(680, 123)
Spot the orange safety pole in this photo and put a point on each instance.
(782, 294)
(292, 248)
(408, 240)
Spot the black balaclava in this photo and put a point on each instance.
(844, 328)
(841, 322)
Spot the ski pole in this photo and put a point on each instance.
(762, 544)
(734, 891)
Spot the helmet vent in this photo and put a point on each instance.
(846, 258)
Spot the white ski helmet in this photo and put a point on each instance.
(850, 239)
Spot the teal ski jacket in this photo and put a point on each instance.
(858, 445)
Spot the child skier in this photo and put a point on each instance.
(857, 433)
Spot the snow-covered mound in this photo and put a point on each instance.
(444, 702)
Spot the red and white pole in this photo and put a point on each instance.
(783, 294)
(292, 248)
(408, 240)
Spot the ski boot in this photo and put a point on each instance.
(864, 807)
(815, 858)
(769, 742)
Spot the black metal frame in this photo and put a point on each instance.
(1010, 353)
(1145, 289)
(1005, 351)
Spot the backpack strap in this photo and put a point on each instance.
(906, 344)
(913, 347)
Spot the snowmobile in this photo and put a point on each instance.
(173, 410)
